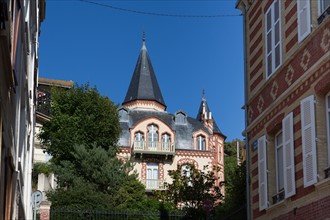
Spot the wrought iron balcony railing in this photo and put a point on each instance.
(43, 102)
(153, 147)
(153, 184)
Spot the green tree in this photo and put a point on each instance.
(190, 189)
(79, 116)
(233, 206)
(81, 136)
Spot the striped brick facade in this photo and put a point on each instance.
(304, 72)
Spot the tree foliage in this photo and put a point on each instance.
(190, 189)
(79, 116)
(95, 179)
(81, 137)
(233, 206)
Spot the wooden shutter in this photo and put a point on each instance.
(308, 140)
(288, 150)
(304, 20)
(262, 173)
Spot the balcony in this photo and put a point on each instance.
(153, 184)
(278, 197)
(153, 148)
(43, 102)
(325, 14)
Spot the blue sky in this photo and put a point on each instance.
(86, 42)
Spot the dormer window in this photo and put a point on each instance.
(123, 115)
(180, 118)
(201, 142)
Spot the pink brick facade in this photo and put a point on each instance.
(271, 99)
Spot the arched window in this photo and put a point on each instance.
(166, 142)
(201, 142)
(139, 140)
(152, 137)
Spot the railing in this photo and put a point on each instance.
(153, 184)
(76, 214)
(43, 102)
(278, 197)
(325, 14)
(153, 147)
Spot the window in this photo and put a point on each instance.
(138, 140)
(152, 176)
(152, 137)
(273, 38)
(308, 140)
(220, 154)
(201, 142)
(262, 173)
(180, 118)
(328, 124)
(324, 4)
(304, 20)
(279, 162)
(123, 115)
(166, 142)
(186, 170)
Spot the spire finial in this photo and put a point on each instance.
(203, 95)
(144, 41)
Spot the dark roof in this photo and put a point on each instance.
(183, 132)
(144, 85)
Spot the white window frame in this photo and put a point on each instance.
(152, 182)
(271, 31)
(139, 136)
(139, 140)
(153, 133)
(303, 7)
(321, 7)
(327, 107)
(277, 146)
(307, 110)
(166, 141)
(262, 171)
(201, 142)
(153, 137)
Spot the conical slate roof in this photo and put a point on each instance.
(207, 110)
(144, 85)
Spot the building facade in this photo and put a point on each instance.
(287, 102)
(19, 32)
(45, 182)
(158, 141)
